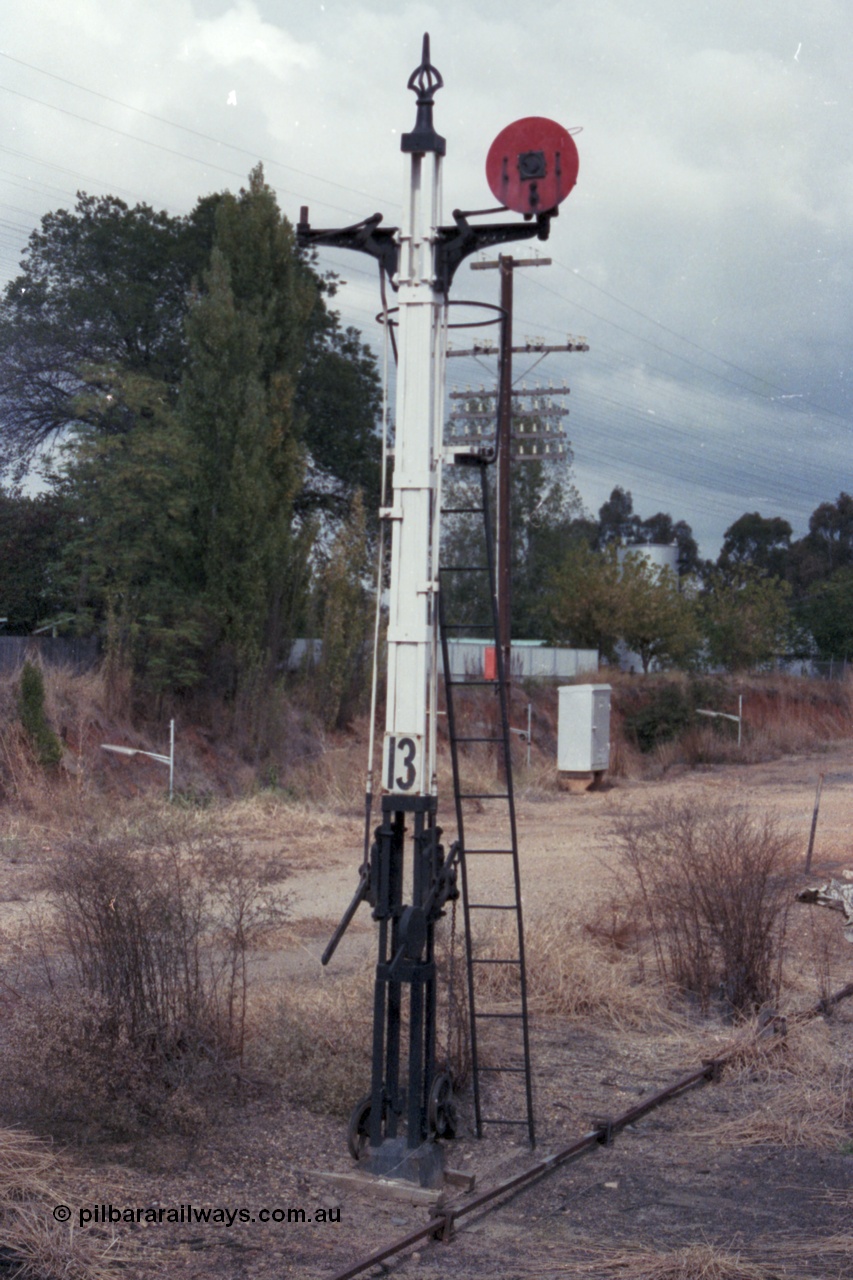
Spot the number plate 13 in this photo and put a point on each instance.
(402, 763)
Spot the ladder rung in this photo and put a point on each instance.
(461, 511)
(500, 1015)
(490, 851)
(492, 906)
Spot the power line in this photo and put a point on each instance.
(173, 124)
(689, 341)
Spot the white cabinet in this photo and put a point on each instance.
(583, 728)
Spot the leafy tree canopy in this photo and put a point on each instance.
(745, 619)
(191, 469)
(619, 523)
(827, 612)
(33, 531)
(657, 622)
(757, 542)
(105, 290)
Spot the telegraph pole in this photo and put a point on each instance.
(506, 264)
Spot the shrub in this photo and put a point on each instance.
(714, 884)
(147, 969)
(45, 744)
(660, 720)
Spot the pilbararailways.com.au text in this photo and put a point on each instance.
(190, 1213)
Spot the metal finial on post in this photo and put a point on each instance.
(425, 81)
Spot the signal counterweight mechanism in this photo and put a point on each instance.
(392, 1129)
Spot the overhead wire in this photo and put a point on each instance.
(174, 124)
(675, 394)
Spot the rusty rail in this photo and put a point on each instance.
(441, 1224)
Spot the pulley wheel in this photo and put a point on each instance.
(441, 1108)
(358, 1132)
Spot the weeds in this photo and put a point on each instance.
(45, 744)
(572, 974)
(714, 885)
(694, 1262)
(316, 1042)
(804, 1088)
(34, 1246)
(144, 995)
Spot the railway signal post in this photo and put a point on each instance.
(410, 1104)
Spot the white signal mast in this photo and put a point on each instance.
(419, 261)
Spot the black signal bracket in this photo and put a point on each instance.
(458, 242)
(455, 243)
(366, 236)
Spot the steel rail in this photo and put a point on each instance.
(441, 1224)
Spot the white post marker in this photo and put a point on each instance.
(152, 755)
(725, 715)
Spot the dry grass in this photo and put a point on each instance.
(694, 1262)
(574, 974)
(132, 991)
(331, 778)
(34, 1245)
(315, 1041)
(804, 1086)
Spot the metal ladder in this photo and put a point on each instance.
(491, 883)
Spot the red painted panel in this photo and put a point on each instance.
(532, 165)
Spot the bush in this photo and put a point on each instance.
(715, 886)
(660, 720)
(147, 968)
(45, 744)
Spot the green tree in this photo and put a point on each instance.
(346, 612)
(104, 291)
(617, 521)
(246, 339)
(44, 742)
(758, 543)
(656, 621)
(33, 531)
(210, 404)
(129, 566)
(544, 506)
(583, 600)
(104, 286)
(827, 612)
(745, 619)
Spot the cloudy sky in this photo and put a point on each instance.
(705, 253)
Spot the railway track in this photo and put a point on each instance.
(446, 1216)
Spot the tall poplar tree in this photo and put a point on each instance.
(246, 335)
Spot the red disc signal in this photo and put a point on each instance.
(532, 165)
